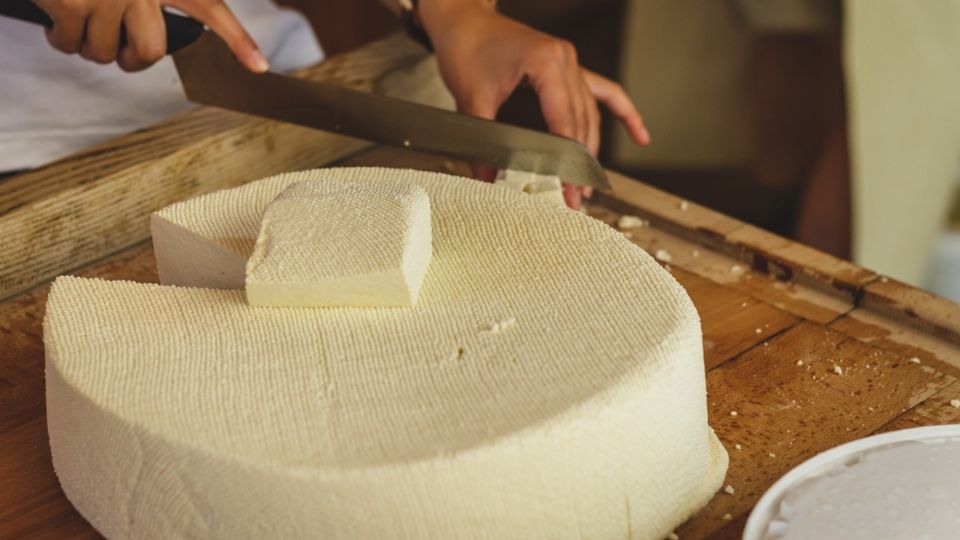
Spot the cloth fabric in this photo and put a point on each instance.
(52, 104)
(903, 92)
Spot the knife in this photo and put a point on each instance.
(211, 75)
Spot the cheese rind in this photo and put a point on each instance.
(184, 412)
(341, 244)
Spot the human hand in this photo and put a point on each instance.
(92, 29)
(483, 57)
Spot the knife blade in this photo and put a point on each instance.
(212, 76)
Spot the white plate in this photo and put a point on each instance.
(769, 505)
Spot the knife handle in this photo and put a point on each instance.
(181, 31)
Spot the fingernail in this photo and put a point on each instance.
(646, 135)
(260, 64)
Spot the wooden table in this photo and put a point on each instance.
(808, 351)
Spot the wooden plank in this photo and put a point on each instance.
(732, 321)
(36, 510)
(699, 246)
(32, 505)
(918, 309)
(790, 276)
(787, 412)
(889, 334)
(89, 205)
(941, 408)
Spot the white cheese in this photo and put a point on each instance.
(630, 222)
(898, 491)
(547, 188)
(186, 412)
(341, 244)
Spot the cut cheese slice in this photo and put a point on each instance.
(341, 244)
(546, 188)
(184, 412)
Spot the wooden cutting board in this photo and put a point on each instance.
(808, 351)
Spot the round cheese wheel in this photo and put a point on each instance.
(549, 384)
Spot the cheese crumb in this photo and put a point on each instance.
(738, 447)
(838, 370)
(736, 269)
(684, 205)
(914, 360)
(729, 490)
(733, 413)
(727, 517)
(955, 403)
(544, 187)
(799, 362)
(663, 255)
(759, 330)
(772, 455)
(501, 325)
(629, 222)
(695, 253)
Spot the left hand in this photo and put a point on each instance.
(483, 57)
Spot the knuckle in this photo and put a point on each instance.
(99, 56)
(60, 42)
(569, 51)
(151, 52)
(554, 49)
(71, 6)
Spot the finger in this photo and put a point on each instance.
(146, 37)
(578, 93)
(593, 118)
(556, 103)
(480, 104)
(67, 32)
(102, 40)
(587, 192)
(616, 100)
(572, 196)
(216, 15)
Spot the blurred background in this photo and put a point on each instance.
(833, 122)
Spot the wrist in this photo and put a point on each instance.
(437, 16)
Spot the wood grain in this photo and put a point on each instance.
(732, 321)
(89, 205)
(781, 412)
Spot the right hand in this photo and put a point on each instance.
(91, 28)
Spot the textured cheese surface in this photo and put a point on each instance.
(544, 187)
(341, 244)
(184, 412)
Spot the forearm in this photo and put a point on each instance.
(434, 14)
(437, 15)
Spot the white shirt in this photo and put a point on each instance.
(52, 104)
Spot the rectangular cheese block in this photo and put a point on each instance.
(341, 243)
